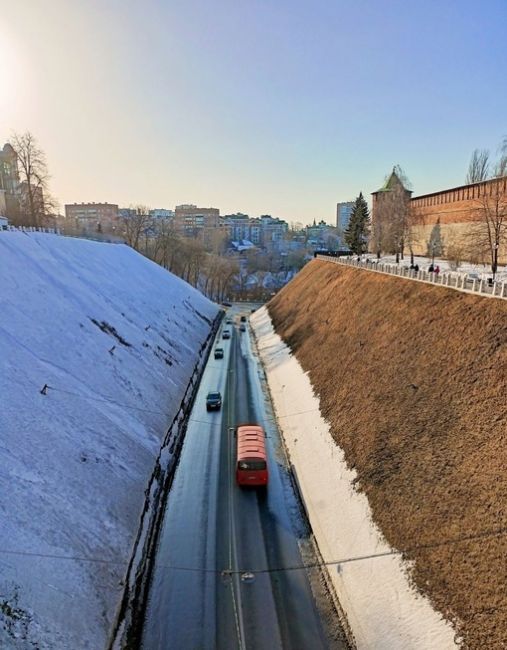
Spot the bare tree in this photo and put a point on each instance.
(36, 204)
(455, 252)
(167, 246)
(488, 231)
(393, 217)
(136, 225)
(229, 270)
(216, 240)
(500, 169)
(478, 168)
(392, 220)
(193, 259)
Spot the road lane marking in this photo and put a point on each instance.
(235, 587)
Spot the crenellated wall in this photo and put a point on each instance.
(457, 210)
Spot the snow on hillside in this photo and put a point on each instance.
(115, 337)
(383, 610)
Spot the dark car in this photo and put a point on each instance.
(219, 353)
(226, 334)
(243, 319)
(213, 401)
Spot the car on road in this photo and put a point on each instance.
(226, 334)
(213, 401)
(471, 277)
(243, 318)
(228, 321)
(242, 327)
(219, 353)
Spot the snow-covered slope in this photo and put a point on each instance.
(115, 338)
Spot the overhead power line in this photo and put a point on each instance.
(256, 571)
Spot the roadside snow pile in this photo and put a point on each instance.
(383, 610)
(114, 338)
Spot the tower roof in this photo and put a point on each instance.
(392, 180)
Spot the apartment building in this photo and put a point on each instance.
(272, 230)
(343, 212)
(241, 227)
(192, 221)
(90, 217)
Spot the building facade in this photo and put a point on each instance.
(10, 191)
(457, 211)
(343, 212)
(191, 221)
(273, 231)
(161, 213)
(92, 217)
(240, 227)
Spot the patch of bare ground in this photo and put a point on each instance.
(413, 381)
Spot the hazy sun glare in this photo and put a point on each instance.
(9, 68)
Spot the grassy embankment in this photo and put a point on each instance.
(413, 381)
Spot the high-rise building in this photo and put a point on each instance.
(193, 221)
(343, 212)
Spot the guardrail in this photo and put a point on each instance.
(126, 628)
(450, 280)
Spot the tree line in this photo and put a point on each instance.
(200, 260)
(36, 206)
(393, 229)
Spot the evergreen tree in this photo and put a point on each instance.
(435, 243)
(356, 233)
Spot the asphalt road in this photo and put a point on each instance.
(215, 534)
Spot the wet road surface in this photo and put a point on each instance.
(214, 532)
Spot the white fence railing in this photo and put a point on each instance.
(455, 281)
(58, 231)
(52, 231)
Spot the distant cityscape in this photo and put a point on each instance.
(455, 223)
(240, 230)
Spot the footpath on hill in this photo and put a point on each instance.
(413, 381)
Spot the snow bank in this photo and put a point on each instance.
(115, 338)
(383, 610)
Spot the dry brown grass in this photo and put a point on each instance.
(412, 379)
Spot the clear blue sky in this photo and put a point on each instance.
(261, 106)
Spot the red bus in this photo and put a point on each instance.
(251, 466)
